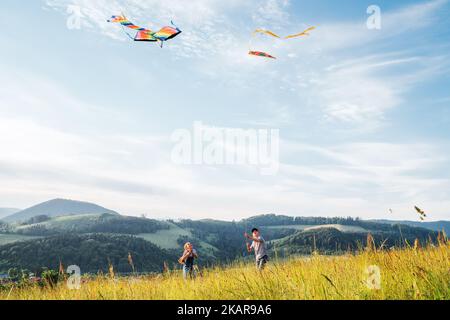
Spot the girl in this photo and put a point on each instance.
(187, 260)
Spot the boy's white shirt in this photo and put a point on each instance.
(254, 242)
(260, 244)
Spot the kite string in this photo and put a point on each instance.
(246, 240)
(123, 28)
(178, 29)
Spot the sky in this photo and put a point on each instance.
(363, 114)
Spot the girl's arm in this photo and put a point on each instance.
(184, 256)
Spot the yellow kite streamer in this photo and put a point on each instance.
(267, 32)
(274, 35)
(302, 34)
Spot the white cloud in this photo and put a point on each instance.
(404, 22)
(133, 175)
(205, 23)
(379, 175)
(272, 13)
(49, 151)
(343, 76)
(362, 92)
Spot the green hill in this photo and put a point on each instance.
(90, 223)
(6, 238)
(91, 252)
(331, 240)
(55, 208)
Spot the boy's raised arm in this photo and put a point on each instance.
(252, 238)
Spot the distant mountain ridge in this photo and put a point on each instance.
(57, 207)
(4, 212)
(432, 225)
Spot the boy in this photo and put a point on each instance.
(187, 260)
(259, 246)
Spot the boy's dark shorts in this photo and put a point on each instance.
(261, 262)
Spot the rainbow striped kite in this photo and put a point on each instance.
(147, 35)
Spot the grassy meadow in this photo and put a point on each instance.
(405, 274)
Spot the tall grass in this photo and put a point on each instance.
(411, 273)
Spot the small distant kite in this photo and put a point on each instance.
(143, 34)
(421, 213)
(274, 35)
(261, 54)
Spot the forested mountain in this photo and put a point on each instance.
(296, 235)
(92, 253)
(333, 241)
(91, 223)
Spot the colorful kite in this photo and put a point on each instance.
(261, 54)
(147, 35)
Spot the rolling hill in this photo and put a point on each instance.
(4, 212)
(335, 240)
(90, 223)
(91, 252)
(12, 238)
(57, 207)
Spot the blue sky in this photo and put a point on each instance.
(363, 114)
